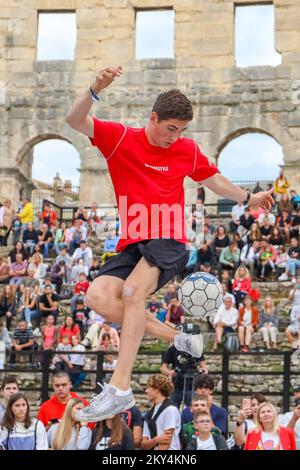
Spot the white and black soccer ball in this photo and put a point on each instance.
(200, 295)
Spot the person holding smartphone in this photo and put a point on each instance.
(246, 417)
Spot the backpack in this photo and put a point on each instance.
(151, 421)
(231, 343)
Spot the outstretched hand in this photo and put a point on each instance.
(105, 77)
(262, 199)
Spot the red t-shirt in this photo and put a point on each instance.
(148, 180)
(81, 286)
(66, 331)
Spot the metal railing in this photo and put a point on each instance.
(225, 373)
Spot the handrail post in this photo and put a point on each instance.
(286, 381)
(46, 358)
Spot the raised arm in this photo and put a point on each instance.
(77, 117)
(220, 185)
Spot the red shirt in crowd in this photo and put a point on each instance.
(145, 177)
(81, 287)
(66, 331)
(243, 285)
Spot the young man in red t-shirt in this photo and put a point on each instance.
(147, 167)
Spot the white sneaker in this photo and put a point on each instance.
(283, 277)
(293, 280)
(190, 344)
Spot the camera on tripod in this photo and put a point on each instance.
(188, 365)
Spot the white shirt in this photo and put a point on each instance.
(284, 420)
(270, 441)
(229, 317)
(237, 212)
(170, 418)
(77, 359)
(209, 444)
(262, 216)
(247, 318)
(86, 255)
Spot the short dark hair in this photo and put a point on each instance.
(173, 105)
(8, 380)
(60, 375)
(204, 381)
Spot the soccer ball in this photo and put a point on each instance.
(200, 295)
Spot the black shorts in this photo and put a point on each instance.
(169, 255)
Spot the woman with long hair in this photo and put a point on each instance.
(39, 268)
(268, 435)
(246, 417)
(19, 248)
(70, 434)
(276, 238)
(4, 271)
(19, 431)
(112, 434)
(175, 314)
(248, 321)
(269, 323)
(70, 329)
(49, 333)
(221, 240)
(242, 284)
(253, 234)
(28, 306)
(8, 304)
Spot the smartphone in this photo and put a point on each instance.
(246, 403)
(54, 420)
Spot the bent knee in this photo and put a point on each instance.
(95, 298)
(132, 292)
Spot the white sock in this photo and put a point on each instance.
(122, 393)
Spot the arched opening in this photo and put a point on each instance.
(250, 157)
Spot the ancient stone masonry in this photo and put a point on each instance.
(228, 101)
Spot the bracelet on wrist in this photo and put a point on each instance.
(94, 96)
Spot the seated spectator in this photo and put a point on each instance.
(8, 304)
(19, 248)
(81, 315)
(5, 347)
(4, 271)
(9, 386)
(266, 214)
(247, 416)
(36, 249)
(242, 283)
(49, 216)
(30, 238)
(284, 222)
(225, 277)
(291, 418)
(285, 204)
(295, 225)
(110, 245)
(109, 363)
(248, 321)
(49, 333)
(204, 385)
(68, 329)
(30, 281)
(85, 253)
(77, 270)
(281, 260)
(205, 440)
(269, 435)
(64, 256)
(294, 328)
(53, 409)
(18, 271)
(153, 305)
(266, 260)
(293, 262)
(225, 320)
(114, 337)
(7, 215)
(171, 293)
(112, 434)
(246, 220)
(237, 238)
(205, 257)
(266, 229)
(61, 237)
(208, 237)
(94, 270)
(28, 306)
(269, 321)
(276, 238)
(39, 268)
(58, 275)
(249, 256)
(48, 303)
(91, 339)
(77, 233)
(175, 314)
(80, 290)
(253, 234)
(81, 214)
(94, 219)
(236, 213)
(45, 240)
(230, 256)
(168, 423)
(70, 434)
(19, 431)
(221, 240)
(62, 361)
(295, 199)
(106, 344)
(77, 361)
(22, 340)
(45, 283)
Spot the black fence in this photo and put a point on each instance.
(45, 358)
